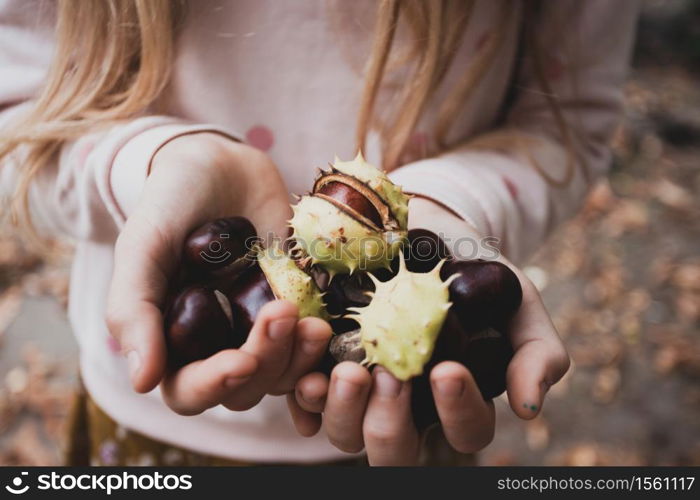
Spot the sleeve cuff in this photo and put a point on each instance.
(132, 162)
(427, 178)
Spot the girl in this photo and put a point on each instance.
(127, 123)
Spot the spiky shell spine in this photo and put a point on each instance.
(341, 243)
(289, 282)
(399, 327)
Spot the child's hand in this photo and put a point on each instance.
(194, 179)
(373, 410)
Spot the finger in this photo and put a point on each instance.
(311, 339)
(540, 358)
(270, 341)
(311, 391)
(306, 423)
(535, 367)
(388, 430)
(345, 406)
(137, 289)
(204, 384)
(468, 421)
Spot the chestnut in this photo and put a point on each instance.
(345, 291)
(222, 246)
(356, 198)
(485, 293)
(347, 196)
(202, 320)
(486, 354)
(198, 324)
(424, 251)
(485, 296)
(195, 326)
(247, 294)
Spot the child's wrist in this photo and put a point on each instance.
(430, 214)
(461, 237)
(193, 148)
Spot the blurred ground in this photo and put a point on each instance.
(622, 282)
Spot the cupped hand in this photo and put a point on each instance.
(194, 179)
(359, 409)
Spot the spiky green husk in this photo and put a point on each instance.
(338, 242)
(377, 180)
(290, 283)
(399, 327)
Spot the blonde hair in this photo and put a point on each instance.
(113, 60)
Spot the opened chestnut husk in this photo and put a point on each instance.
(354, 219)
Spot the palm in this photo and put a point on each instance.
(197, 180)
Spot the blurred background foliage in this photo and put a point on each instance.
(622, 281)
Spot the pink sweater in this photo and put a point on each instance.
(285, 76)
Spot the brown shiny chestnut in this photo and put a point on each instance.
(190, 322)
(485, 293)
(198, 324)
(485, 297)
(486, 354)
(221, 246)
(348, 196)
(424, 251)
(247, 294)
(345, 291)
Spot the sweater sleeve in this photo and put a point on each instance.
(497, 182)
(90, 187)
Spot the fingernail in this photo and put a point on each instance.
(449, 388)
(133, 361)
(530, 406)
(280, 328)
(310, 400)
(386, 385)
(346, 390)
(235, 381)
(311, 346)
